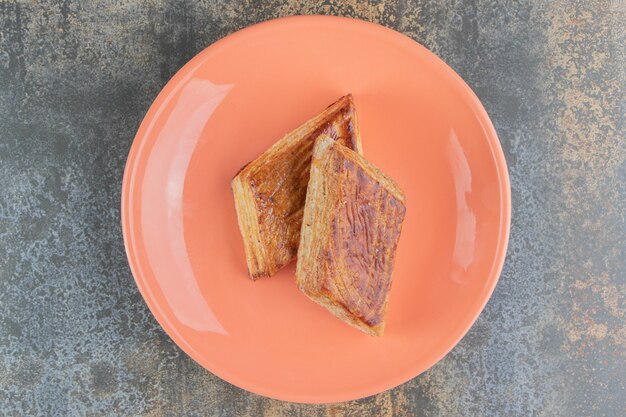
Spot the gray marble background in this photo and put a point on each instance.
(77, 77)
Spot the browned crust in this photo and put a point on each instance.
(352, 222)
(271, 190)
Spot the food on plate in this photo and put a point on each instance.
(352, 221)
(270, 191)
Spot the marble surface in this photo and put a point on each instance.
(75, 81)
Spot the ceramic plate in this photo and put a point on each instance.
(420, 123)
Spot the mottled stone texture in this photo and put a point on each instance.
(76, 78)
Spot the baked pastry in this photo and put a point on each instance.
(270, 191)
(352, 221)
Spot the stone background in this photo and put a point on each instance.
(76, 78)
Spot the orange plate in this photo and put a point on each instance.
(420, 123)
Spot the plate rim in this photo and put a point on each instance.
(155, 108)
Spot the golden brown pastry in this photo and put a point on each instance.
(352, 221)
(270, 191)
